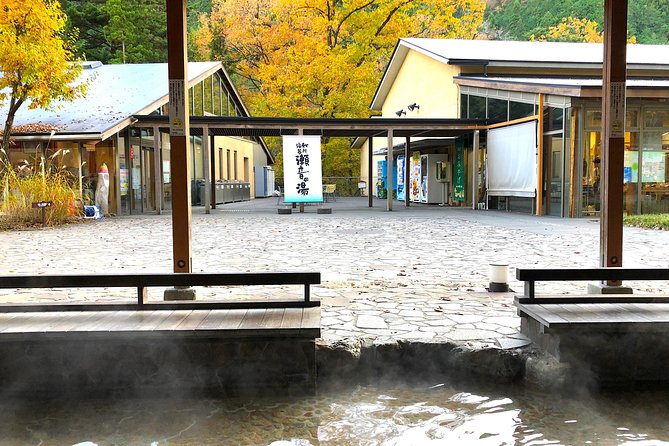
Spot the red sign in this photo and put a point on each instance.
(132, 153)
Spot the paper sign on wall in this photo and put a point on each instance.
(302, 174)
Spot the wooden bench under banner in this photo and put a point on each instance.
(212, 346)
(609, 337)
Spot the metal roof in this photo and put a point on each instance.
(261, 126)
(115, 93)
(573, 87)
(515, 54)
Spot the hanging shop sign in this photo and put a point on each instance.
(302, 171)
(459, 171)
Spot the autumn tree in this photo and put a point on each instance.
(322, 58)
(572, 29)
(36, 59)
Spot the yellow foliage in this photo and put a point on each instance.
(322, 58)
(35, 59)
(574, 29)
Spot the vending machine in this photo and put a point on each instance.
(400, 187)
(427, 186)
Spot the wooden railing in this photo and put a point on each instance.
(141, 282)
(531, 276)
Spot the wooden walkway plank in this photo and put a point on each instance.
(171, 322)
(28, 323)
(252, 319)
(231, 319)
(273, 318)
(311, 318)
(193, 320)
(292, 317)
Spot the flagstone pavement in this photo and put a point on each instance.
(416, 273)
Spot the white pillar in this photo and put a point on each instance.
(475, 170)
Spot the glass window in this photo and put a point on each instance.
(463, 106)
(656, 118)
(217, 96)
(553, 118)
(497, 110)
(593, 119)
(208, 100)
(519, 110)
(477, 107)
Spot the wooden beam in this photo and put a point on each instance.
(180, 161)
(613, 133)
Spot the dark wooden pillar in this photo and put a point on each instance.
(407, 172)
(179, 135)
(389, 172)
(613, 132)
(370, 171)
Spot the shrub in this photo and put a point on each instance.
(43, 179)
(650, 221)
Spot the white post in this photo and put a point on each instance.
(389, 170)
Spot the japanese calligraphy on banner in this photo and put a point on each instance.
(302, 174)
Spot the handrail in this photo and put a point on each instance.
(144, 281)
(530, 276)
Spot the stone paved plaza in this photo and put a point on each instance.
(415, 274)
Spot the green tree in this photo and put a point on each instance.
(87, 19)
(36, 59)
(648, 20)
(137, 30)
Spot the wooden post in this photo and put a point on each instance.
(540, 155)
(157, 169)
(207, 171)
(613, 133)
(370, 171)
(407, 172)
(212, 157)
(475, 169)
(180, 159)
(389, 171)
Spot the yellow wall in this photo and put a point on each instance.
(244, 149)
(427, 82)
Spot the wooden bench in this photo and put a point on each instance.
(142, 282)
(213, 346)
(531, 276)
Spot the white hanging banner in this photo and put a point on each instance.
(302, 173)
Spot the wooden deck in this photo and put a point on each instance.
(599, 316)
(205, 323)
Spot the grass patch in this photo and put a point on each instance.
(41, 179)
(649, 221)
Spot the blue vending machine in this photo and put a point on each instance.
(382, 179)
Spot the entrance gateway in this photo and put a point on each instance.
(392, 129)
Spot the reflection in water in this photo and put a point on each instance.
(373, 415)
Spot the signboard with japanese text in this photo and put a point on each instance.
(177, 110)
(459, 171)
(302, 174)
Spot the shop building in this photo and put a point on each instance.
(540, 152)
(106, 127)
